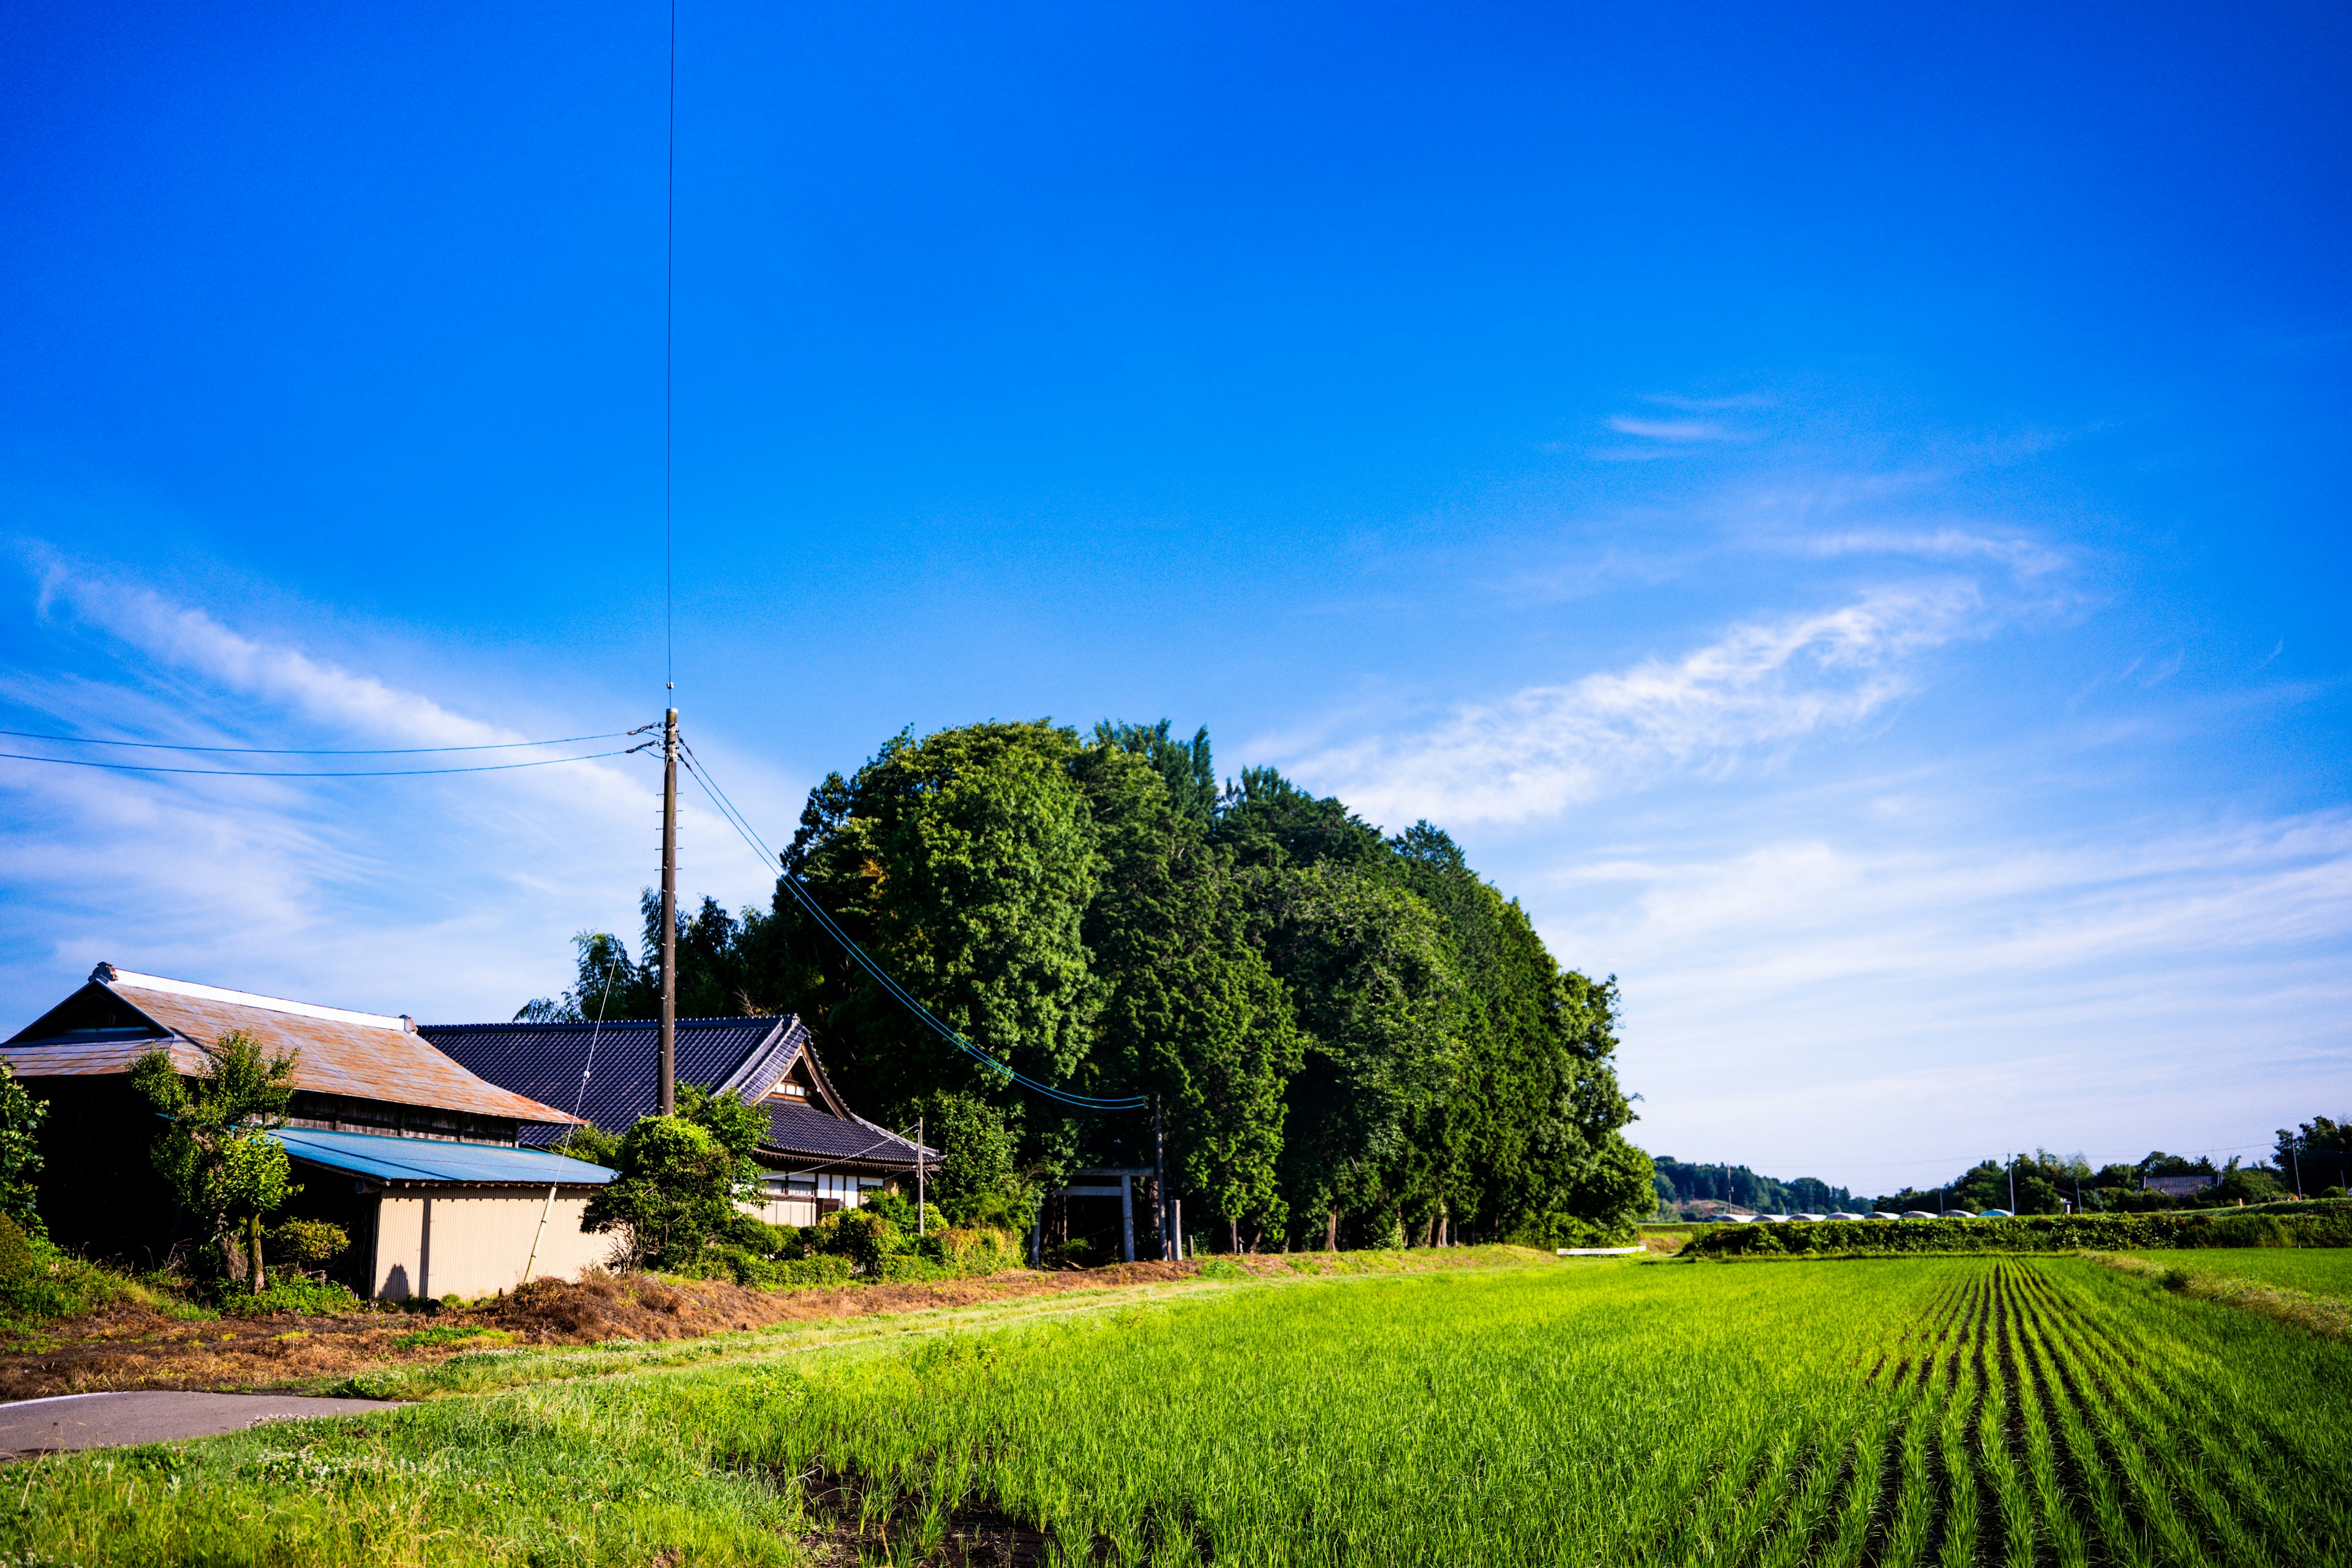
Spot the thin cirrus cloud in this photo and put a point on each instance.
(437, 896)
(2023, 556)
(1762, 683)
(1681, 432)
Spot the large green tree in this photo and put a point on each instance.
(963, 863)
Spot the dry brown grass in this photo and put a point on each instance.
(131, 1345)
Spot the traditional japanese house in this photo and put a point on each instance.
(421, 1162)
(819, 1155)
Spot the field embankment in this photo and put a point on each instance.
(2317, 1224)
(132, 1338)
(2218, 1278)
(1908, 1411)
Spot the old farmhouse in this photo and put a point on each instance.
(427, 1166)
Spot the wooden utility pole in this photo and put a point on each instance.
(669, 916)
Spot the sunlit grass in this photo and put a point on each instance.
(1951, 1411)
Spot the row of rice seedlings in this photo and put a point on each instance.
(2053, 1508)
(2215, 1477)
(1857, 1503)
(1958, 1548)
(2013, 1498)
(2270, 1453)
(2063, 1389)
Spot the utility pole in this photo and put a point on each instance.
(923, 1224)
(2013, 1184)
(669, 916)
(2294, 1158)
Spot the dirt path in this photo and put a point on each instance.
(119, 1420)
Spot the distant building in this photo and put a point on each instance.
(2178, 1187)
(821, 1156)
(416, 1158)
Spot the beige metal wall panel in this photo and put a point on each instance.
(471, 1241)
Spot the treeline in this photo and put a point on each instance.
(2312, 1160)
(1679, 1183)
(1354, 1039)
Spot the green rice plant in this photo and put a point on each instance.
(2012, 1498)
(1953, 1410)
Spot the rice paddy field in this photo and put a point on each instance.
(1895, 1411)
(2321, 1270)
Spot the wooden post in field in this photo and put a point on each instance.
(1126, 1218)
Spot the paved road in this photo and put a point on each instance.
(156, 1415)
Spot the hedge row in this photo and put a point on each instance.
(2327, 1222)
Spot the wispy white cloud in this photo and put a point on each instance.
(1679, 431)
(432, 896)
(2024, 556)
(1761, 684)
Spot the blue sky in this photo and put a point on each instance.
(1842, 511)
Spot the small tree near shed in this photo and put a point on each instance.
(680, 1177)
(216, 1152)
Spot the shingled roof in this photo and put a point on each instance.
(120, 1017)
(769, 1061)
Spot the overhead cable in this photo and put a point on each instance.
(882, 977)
(308, 773)
(313, 751)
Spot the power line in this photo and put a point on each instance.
(311, 750)
(309, 774)
(669, 337)
(882, 977)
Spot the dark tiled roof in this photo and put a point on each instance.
(545, 1060)
(803, 1133)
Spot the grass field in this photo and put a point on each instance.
(1947, 1411)
(2321, 1270)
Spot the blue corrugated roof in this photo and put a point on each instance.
(431, 1160)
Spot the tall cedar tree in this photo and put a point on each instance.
(1191, 1013)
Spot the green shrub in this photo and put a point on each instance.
(973, 1249)
(306, 1244)
(1553, 1231)
(740, 1264)
(41, 1282)
(307, 1296)
(821, 1269)
(864, 1236)
(2317, 1224)
(751, 1234)
(476, 1335)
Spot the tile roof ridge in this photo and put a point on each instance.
(113, 978)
